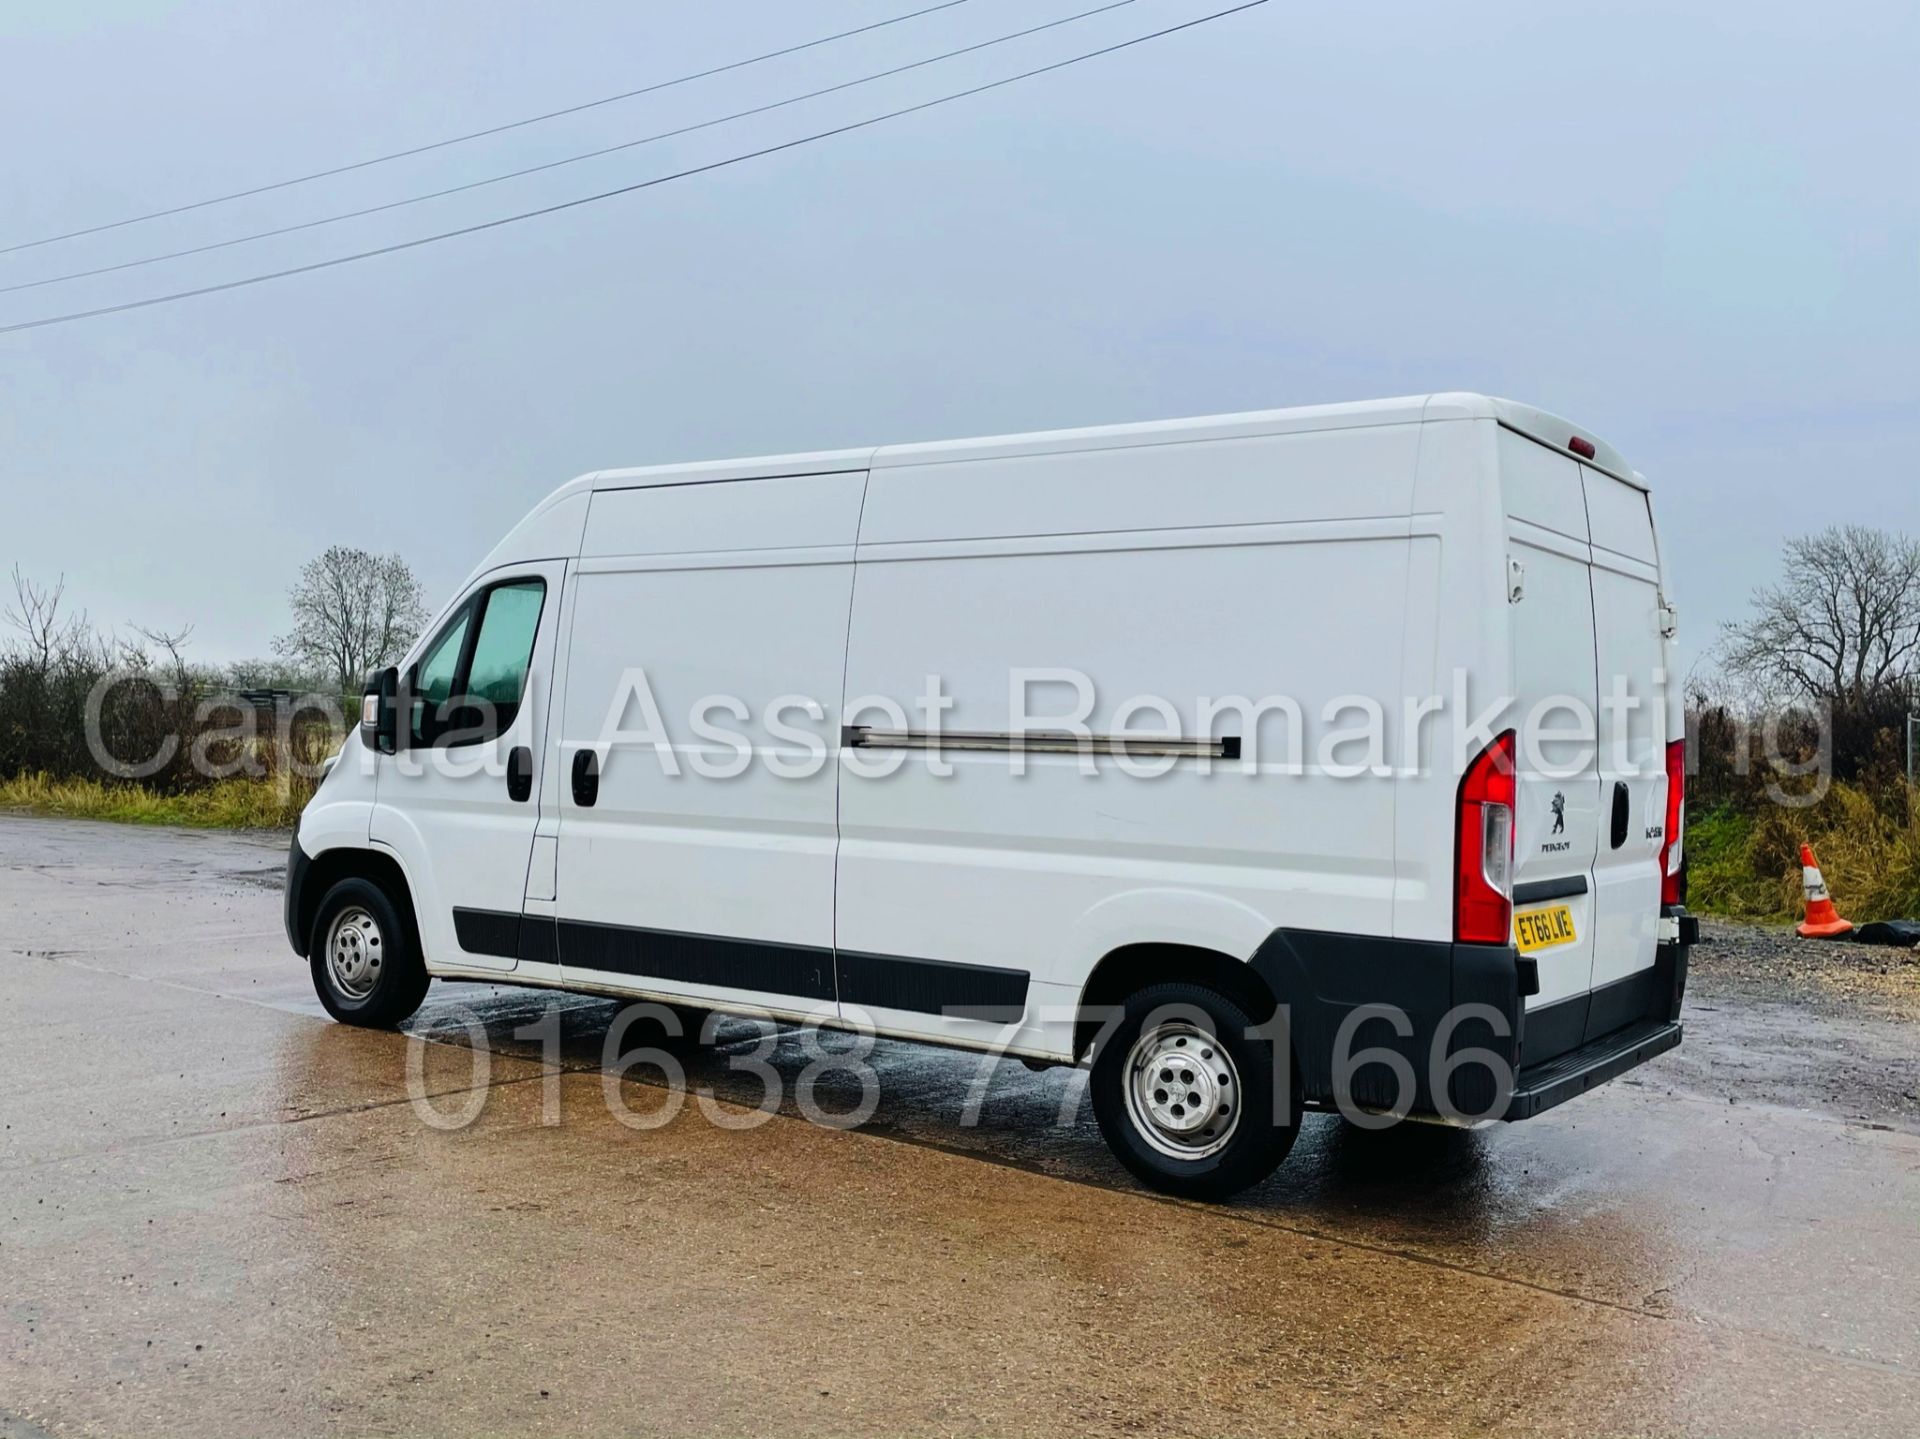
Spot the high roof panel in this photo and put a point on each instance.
(1535, 423)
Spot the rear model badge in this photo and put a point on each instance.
(1559, 813)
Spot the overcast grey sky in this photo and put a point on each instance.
(1694, 229)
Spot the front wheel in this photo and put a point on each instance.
(1186, 1095)
(365, 968)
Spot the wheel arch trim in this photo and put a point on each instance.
(310, 877)
(1131, 967)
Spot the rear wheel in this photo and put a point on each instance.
(366, 969)
(1186, 1097)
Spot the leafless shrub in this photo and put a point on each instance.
(79, 702)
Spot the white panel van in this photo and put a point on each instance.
(1310, 759)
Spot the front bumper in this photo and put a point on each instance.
(293, 906)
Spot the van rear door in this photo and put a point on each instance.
(1627, 609)
(1558, 824)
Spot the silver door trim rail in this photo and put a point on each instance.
(1040, 742)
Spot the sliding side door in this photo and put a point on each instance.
(697, 784)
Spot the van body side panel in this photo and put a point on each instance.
(780, 512)
(703, 868)
(1149, 486)
(1455, 634)
(1170, 574)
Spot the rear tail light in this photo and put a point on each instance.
(1671, 857)
(1483, 847)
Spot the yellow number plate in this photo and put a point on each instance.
(1543, 928)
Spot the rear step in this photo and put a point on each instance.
(1569, 1075)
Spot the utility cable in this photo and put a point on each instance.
(713, 165)
(482, 134)
(555, 164)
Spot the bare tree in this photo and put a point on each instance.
(352, 612)
(170, 643)
(35, 613)
(1842, 625)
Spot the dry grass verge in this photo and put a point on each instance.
(273, 803)
(1747, 865)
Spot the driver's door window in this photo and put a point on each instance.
(468, 686)
(435, 675)
(504, 647)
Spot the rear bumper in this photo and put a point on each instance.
(1573, 1074)
(1405, 1008)
(1621, 1025)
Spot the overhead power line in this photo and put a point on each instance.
(566, 160)
(482, 134)
(554, 209)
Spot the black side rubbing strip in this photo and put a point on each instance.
(488, 931)
(539, 940)
(933, 986)
(804, 971)
(1540, 889)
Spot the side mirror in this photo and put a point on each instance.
(380, 711)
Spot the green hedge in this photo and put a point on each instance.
(1746, 865)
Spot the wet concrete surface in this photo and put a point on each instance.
(224, 1215)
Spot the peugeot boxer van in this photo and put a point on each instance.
(1319, 758)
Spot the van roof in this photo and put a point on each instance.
(1548, 429)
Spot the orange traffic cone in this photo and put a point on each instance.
(1823, 920)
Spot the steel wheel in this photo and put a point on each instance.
(1182, 1090)
(355, 950)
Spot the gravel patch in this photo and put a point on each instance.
(1809, 1024)
(1831, 975)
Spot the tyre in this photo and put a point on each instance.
(1186, 1098)
(367, 969)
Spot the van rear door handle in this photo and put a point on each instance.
(1619, 835)
(586, 778)
(519, 774)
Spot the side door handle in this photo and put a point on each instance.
(519, 774)
(586, 778)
